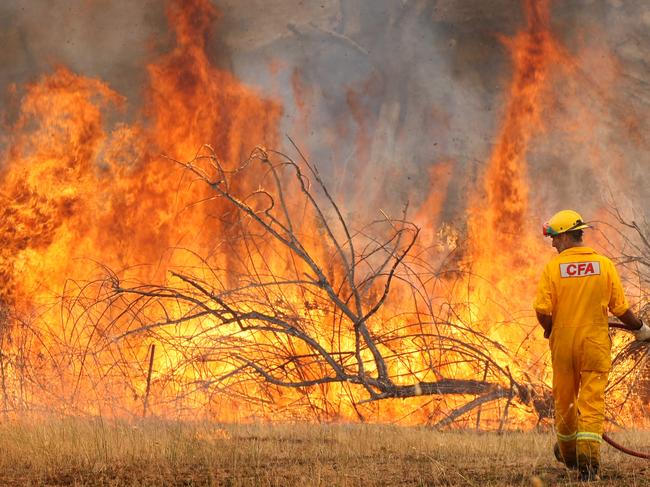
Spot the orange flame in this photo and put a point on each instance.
(504, 246)
(78, 189)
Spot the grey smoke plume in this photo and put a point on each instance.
(379, 91)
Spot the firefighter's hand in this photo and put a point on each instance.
(643, 333)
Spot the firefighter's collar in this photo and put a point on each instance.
(578, 251)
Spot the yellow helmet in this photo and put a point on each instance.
(564, 221)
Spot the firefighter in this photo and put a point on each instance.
(576, 290)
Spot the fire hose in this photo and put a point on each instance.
(629, 451)
(606, 437)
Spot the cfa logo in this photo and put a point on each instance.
(580, 269)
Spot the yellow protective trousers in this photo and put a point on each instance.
(581, 358)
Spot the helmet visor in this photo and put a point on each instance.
(579, 225)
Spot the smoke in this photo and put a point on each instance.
(391, 88)
(378, 92)
(593, 152)
(104, 39)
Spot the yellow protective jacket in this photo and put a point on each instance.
(577, 288)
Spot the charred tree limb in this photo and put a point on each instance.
(444, 386)
(466, 408)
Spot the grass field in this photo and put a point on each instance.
(80, 452)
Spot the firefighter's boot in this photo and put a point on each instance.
(566, 458)
(588, 460)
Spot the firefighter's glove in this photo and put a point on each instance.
(643, 333)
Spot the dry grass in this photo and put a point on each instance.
(76, 452)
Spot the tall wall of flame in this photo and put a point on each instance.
(483, 116)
